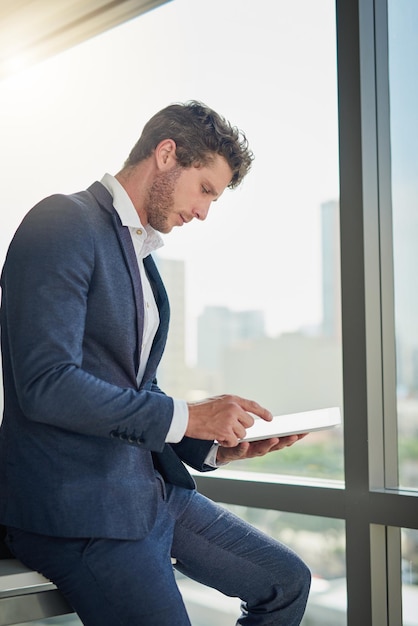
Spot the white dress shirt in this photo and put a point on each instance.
(146, 240)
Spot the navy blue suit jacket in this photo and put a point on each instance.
(79, 441)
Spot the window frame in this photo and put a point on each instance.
(371, 504)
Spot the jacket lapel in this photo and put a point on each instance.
(161, 299)
(104, 198)
(132, 263)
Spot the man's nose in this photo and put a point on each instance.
(201, 212)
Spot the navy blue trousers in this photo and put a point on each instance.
(131, 583)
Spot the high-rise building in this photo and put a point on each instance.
(286, 362)
(219, 328)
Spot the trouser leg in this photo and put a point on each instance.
(110, 582)
(220, 550)
(131, 583)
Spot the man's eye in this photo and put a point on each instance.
(204, 190)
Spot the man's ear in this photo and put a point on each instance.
(165, 154)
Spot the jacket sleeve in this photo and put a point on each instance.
(193, 452)
(46, 284)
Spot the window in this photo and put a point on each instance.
(403, 56)
(320, 541)
(262, 276)
(297, 214)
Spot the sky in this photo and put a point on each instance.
(268, 67)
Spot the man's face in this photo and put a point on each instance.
(180, 194)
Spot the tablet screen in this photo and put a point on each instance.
(294, 424)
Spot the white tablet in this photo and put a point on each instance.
(294, 424)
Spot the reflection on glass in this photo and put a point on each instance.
(403, 57)
(257, 286)
(409, 577)
(319, 541)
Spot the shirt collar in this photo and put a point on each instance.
(128, 215)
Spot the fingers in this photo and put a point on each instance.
(234, 425)
(244, 411)
(249, 450)
(225, 455)
(284, 442)
(254, 408)
(260, 448)
(246, 450)
(223, 418)
(247, 420)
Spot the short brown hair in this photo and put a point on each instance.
(199, 132)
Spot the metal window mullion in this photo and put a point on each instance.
(353, 168)
(391, 464)
(390, 423)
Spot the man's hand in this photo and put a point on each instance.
(249, 450)
(223, 418)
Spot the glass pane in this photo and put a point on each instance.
(403, 59)
(257, 285)
(254, 289)
(409, 577)
(319, 541)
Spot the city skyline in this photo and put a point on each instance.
(260, 247)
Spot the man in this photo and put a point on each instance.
(93, 490)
